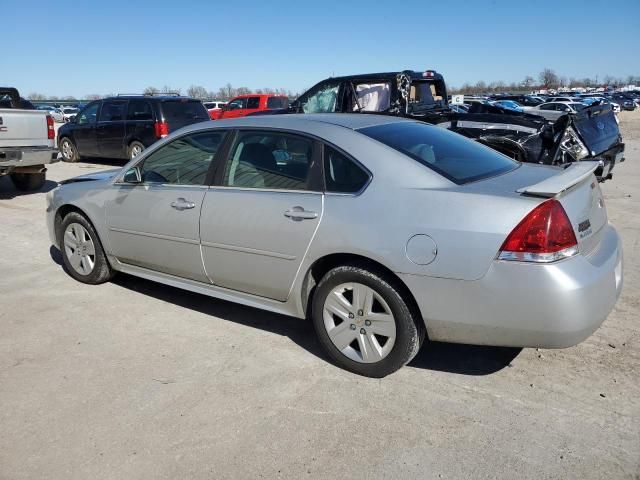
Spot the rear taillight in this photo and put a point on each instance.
(162, 129)
(544, 235)
(51, 132)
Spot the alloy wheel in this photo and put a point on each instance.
(359, 322)
(79, 248)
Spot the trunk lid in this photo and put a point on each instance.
(597, 127)
(575, 187)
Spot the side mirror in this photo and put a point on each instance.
(132, 176)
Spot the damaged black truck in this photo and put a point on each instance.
(592, 134)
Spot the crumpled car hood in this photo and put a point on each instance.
(90, 177)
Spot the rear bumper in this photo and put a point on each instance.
(525, 305)
(11, 158)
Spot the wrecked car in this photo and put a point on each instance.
(591, 134)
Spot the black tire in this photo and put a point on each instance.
(73, 156)
(410, 329)
(102, 271)
(28, 182)
(133, 145)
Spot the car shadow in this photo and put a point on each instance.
(437, 356)
(9, 191)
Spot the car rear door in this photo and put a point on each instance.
(154, 223)
(111, 129)
(259, 219)
(84, 132)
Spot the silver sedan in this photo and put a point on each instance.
(382, 230)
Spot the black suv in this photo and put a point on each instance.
(123, 126)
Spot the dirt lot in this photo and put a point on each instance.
(136, 380)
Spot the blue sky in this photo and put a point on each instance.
(78, 48)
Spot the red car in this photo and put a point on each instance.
(243, 105)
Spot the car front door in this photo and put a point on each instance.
(259, 220)
(235, 108)
(111, 129)
(84, 133)
(153, 215)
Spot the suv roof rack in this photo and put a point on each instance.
(156, 94)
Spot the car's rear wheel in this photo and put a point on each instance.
(68, 150)
(364, 322)
(135, 149)
(28, 182)
(82, 252)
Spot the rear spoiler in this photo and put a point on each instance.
(572, 175)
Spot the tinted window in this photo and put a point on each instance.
(548, 106)
(112, 111)
(253, 102)
(269, 160)
(184, 112)
(277, 102)
(89, 114)
(341, 174)
(184, 161)
(459, 159)
(139, 110)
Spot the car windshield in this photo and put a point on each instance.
(451, 155)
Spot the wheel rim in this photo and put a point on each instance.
(79, 248)
(135, 151)
(359, 322)
(67, 152)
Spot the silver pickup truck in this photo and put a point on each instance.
(27, 141)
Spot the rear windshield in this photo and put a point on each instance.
(277, 102)
(188, 111)
(451, 155)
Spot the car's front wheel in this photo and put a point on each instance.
(364, 322)
(82, 253)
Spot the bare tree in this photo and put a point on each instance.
(151, 91)
(93, 96)
(242, 91)
(70, 98)
(528, 81)
(548, 78)
(197, 91)
(36, 96)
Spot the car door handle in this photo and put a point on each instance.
(182, 204)
(299, 213)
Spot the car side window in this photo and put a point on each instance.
(184, 161)
(112, 111)
(89, 114)
(139, 110)
(238, 103)
(341, 174)
(253, 102)
(269, 160)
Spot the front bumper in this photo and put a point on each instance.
(525, 305)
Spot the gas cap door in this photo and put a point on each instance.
(421, 249)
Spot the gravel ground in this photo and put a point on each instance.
(133, 379)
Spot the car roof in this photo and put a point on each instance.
(303, 122)
(246, 95)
